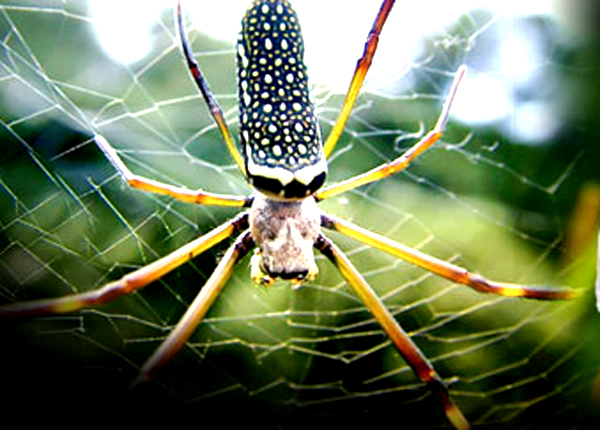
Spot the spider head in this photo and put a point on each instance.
(285, 233)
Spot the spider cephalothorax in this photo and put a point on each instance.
(285, 233)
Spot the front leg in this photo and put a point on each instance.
(404, 344)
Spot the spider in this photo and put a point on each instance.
(283, 158)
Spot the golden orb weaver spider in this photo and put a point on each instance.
(284, 159)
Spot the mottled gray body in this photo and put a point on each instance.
(285, 233)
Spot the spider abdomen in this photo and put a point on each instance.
(281, 141)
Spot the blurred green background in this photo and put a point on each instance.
(487, 198)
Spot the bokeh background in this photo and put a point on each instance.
(511, 192)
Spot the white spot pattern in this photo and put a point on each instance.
(279, 128)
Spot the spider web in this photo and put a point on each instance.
(494, 196)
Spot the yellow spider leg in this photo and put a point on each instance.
(213, 105)
(442, 268)
(407, 348)
(197, 310)
(362, 67)
(130, 282)
(180, 193)
(405, 159)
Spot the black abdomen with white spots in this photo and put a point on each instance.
(280, 135)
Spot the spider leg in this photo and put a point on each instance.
(130, 282)
(197, 310)
(407, 348)
(211, 101)
(180, 193)
(362, 67)
(405, 159)
(442, 268)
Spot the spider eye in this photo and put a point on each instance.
(290, 276)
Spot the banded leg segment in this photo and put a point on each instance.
(197, 310)
(405, 346)
(130, 282)
(180, 193)
(211, 101)
(405, 159)
(362, 67)
(442, 268)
